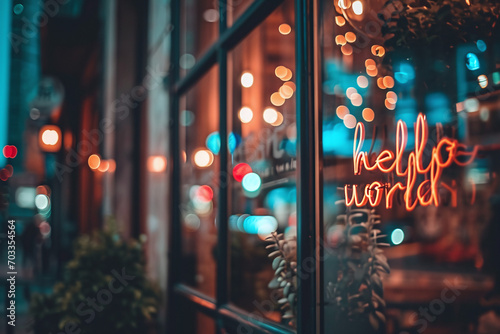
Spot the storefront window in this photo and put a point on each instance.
(262, 146)
(200, 146)
(235, 8)
(410, 143)
(199, 30)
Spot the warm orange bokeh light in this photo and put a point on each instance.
(94, 161)
(203, 158)
(277, 99)
(285, 29)
(368, 114)
(50, 138)
(350, 37)
(342, 111)
(104, 166)
(388, 81)
(157, 164)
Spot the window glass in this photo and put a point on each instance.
(262, 145)
(199, 30)
(410, 110)
(200, 146)
(235, 8)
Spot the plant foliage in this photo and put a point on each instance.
(284, 252)
(357, 293)
(96, 259)
(437, 24)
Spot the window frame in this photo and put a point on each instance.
(226, 316)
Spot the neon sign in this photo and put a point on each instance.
(444, 154)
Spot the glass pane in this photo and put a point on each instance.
(410, 109)
(193, 322)
(262, 143)
(200, 145)
(235, 8)
(199, 30)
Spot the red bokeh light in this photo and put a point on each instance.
(10, 170)
(240, 170)
(205, 193)
(4, 174)
(10, 151)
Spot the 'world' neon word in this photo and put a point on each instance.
(444, 154)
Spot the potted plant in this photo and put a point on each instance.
(356, 296)
(104, 290)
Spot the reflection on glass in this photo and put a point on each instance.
(427, 94)
(200, 146)
(235, 8)
(199, 30)
(262, 146)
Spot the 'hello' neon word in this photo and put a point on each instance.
(444, 154)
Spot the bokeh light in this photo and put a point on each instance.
(349, 121)
(368, 114)
(362, 81)
(342, 111)
(340, 21)
(279, 119)
(251, 182)
(203, 158)
(277, 100)
(247, 79)
(270, 115)
(157, 164)
(350, 37)
(94, 161)
(240, 170)
(245, 115)
(397, 236)
(340, 40)
(388, 81)
(285, 29)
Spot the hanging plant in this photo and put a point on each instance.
(438, 25)
(357, 293)
(284, 252)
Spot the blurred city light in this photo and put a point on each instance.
(276, 99)
(340, 21)
(368, 114)
(279, 119)
(9, 151)
(270, 115)
(25, 197)
(472, 62)
(362, 81)
(397, 236)
(357, 7)
(247, 79)
(203, 158)
(350, 121)
(240, 170)
(50, 138)
(42, 202)
(342, 111)
(251, 182)
(245, 115)
(213, 142)
(94, 161)
(285, 29)
(156, 164)
(482, 80)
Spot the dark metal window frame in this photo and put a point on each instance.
(227, 317)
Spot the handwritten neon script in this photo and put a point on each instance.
(444, 154)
